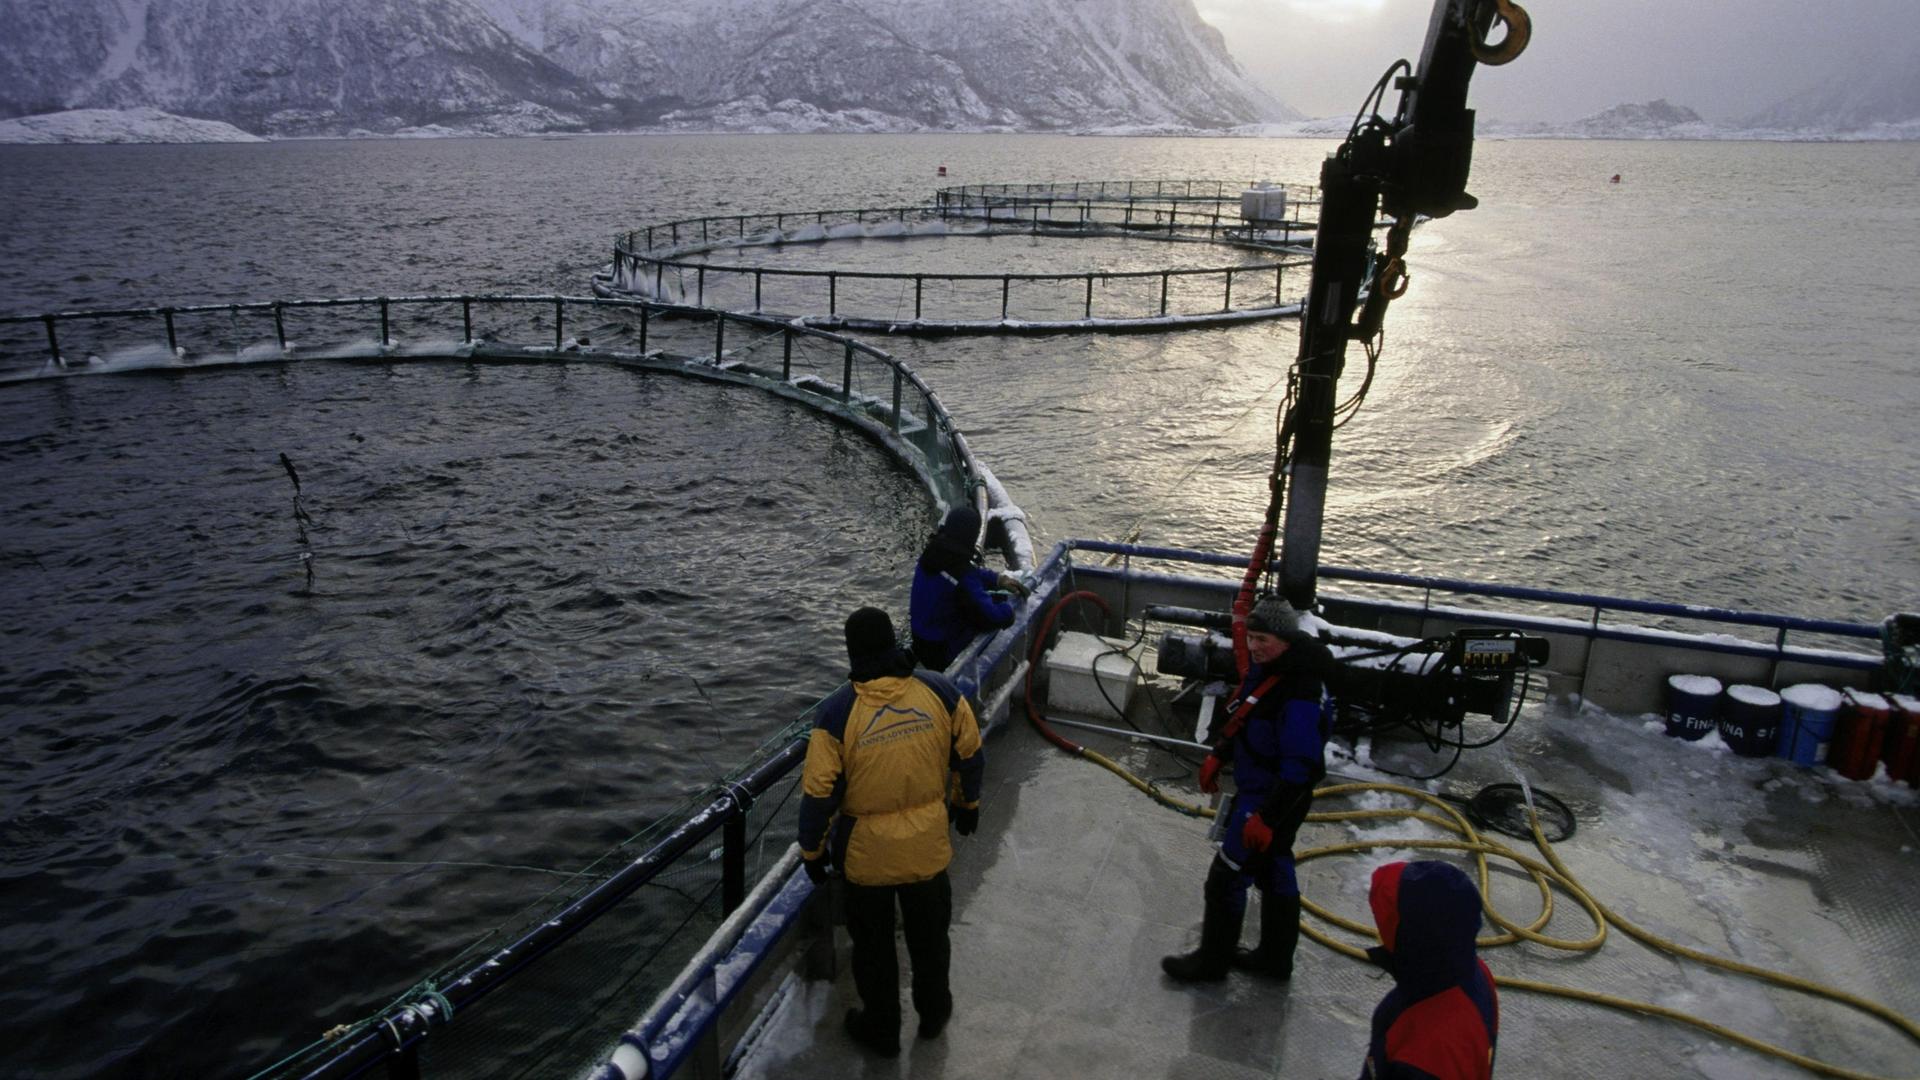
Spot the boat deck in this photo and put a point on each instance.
(1076, 885)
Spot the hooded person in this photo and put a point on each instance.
(876, 803)
(953, 598)
(1441, 1020)
(1275, 738)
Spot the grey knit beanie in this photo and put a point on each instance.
(1273, 615)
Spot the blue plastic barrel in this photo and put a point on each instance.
(1807, 715)
(1750, 721)
(1693, 705)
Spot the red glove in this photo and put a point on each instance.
(1256, 834)
(1210, 775)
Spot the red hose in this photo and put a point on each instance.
(1243, 600)
(1033, 663)
(1263, 547)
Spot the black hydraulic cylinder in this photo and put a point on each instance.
(1349, 204)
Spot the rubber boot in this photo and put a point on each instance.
(1219, 934)
(1279, 933)
(864, 1031)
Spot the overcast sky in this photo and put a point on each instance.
(1725, 59)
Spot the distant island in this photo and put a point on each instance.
(119, 126)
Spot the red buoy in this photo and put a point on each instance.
(942, 171)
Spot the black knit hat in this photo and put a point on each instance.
(961, 526)
(950, 549)
(870, 638)
(1273, 615)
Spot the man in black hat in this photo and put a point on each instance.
(875, 805)
(1275, 737)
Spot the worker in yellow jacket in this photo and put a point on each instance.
(876, 804)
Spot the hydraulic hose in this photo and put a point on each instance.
(1550, 873)
(1243, 600)
(1263, 546)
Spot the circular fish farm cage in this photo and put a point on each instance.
(711, 262)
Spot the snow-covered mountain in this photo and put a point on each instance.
(933, 63)
(1872, 97)
(289, 67)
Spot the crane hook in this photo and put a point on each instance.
(1519, 29)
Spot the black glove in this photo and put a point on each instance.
(816, 869)
(964, 819)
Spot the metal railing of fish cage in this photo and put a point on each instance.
(1166, 190)
(659, 262)
(601, 946)
(1138, 218)
(1009, 216)
(849, 379)
(864, 298)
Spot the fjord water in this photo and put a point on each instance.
(550, 600)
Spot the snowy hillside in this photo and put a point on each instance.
(289, 67)
(927, 63)
(294, 67)
(117, 126)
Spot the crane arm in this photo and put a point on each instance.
(1411, 166)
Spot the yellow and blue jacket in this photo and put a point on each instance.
(877, 774)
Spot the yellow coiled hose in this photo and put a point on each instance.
(1547, 875)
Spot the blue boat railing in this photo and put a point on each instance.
(1616, 663)
(1593, 603)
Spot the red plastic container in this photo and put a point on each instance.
(1901, 749)
(1860, 734)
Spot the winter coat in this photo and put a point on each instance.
(1278, 754)
(949, 607)
(876, 775)
(952, 598)
(1284, 738)
(1441, 1020)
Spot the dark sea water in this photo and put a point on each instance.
(549, 601)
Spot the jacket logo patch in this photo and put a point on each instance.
(889, 723)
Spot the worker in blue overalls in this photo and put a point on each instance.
(953, 595)
(1274, 737)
